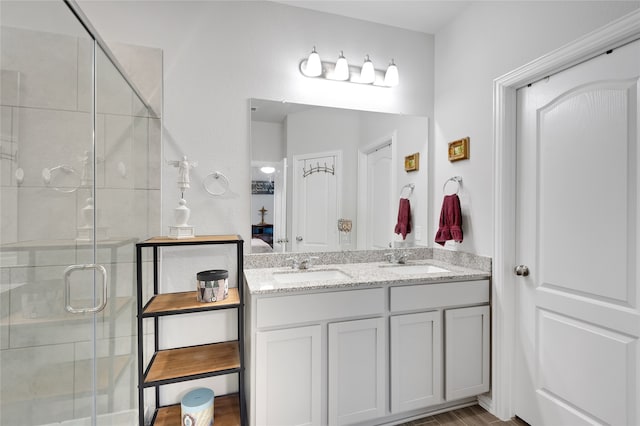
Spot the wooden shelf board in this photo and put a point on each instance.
(226, 412)
(172, 364)
(193, 240)
(168, 303)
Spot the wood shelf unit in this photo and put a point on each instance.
(225, 412)
(186, 302)
(173, 365)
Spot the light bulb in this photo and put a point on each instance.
(341, 72)
(368, 74)
(267, 169)
(314, 66)
(391, 76)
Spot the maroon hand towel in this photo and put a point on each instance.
(403, 227)
(450, 220)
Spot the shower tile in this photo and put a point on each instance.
(144, 67)
(9, 86)
(9, 214)
(46, 214)
(155, 153)
(125, 211)
(118, 146)
(40, 373)
(47, 64)
(154, 215)
(7, 147)
(85, 75)
(50, 138)
(140, 170)
(113, 94)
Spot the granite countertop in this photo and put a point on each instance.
(261, 280)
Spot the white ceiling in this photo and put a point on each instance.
(426, 16)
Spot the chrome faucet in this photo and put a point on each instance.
(399, 257)
(305, 263)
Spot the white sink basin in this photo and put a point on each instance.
(312, 275)
(415, 269)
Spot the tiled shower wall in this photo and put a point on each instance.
(46, 120)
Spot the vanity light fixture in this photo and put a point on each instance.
(391, 78)
(341, 72)
(314, 67)
(368, 73)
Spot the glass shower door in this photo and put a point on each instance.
(74, 199)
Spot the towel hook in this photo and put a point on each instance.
(411, 186)
(456, 179)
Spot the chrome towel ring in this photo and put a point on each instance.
(456, 179)
(222, 181)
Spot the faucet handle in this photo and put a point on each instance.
(295, 263)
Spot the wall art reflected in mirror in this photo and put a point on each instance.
(315, 169)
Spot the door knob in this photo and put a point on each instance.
(522, 270)
(298, 238)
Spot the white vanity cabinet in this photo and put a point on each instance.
(444, 346)
(466, 351)
(365, 355)
(416, 360)
(357, 385)
(288, 380)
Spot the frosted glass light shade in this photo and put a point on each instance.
(391, 77)
(341, 72)
(267, 169)
(314, 66)
(368, 73)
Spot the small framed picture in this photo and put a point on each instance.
(412, 162)
(459, 150)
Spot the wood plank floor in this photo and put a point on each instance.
(468, 416)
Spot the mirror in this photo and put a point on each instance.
(330, 179)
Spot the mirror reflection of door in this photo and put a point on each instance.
(375, 188)
(315, 202)
(379, 231)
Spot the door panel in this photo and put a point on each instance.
(577, 354)
(315, 203)
(379, 226)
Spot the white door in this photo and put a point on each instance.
(288, 377)
(379, 206)
(315, 202)
(356, 371)
(577, 353)
(416, 360)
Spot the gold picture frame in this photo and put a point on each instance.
(412, 162)
(459, 150)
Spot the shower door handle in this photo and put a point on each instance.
(67, 288)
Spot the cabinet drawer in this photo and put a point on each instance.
(429, 296)
(287, 310)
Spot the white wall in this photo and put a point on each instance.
(219, 54)
(486, 41)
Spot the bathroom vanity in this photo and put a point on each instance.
(369, 342)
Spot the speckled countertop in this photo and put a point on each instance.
(273, 280)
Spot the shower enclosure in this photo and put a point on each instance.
(80, 183)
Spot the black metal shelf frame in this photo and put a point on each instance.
(142, 370)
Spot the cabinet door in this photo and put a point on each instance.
(466, 352)
(356, 371)
(416, 360)
(288, 376)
